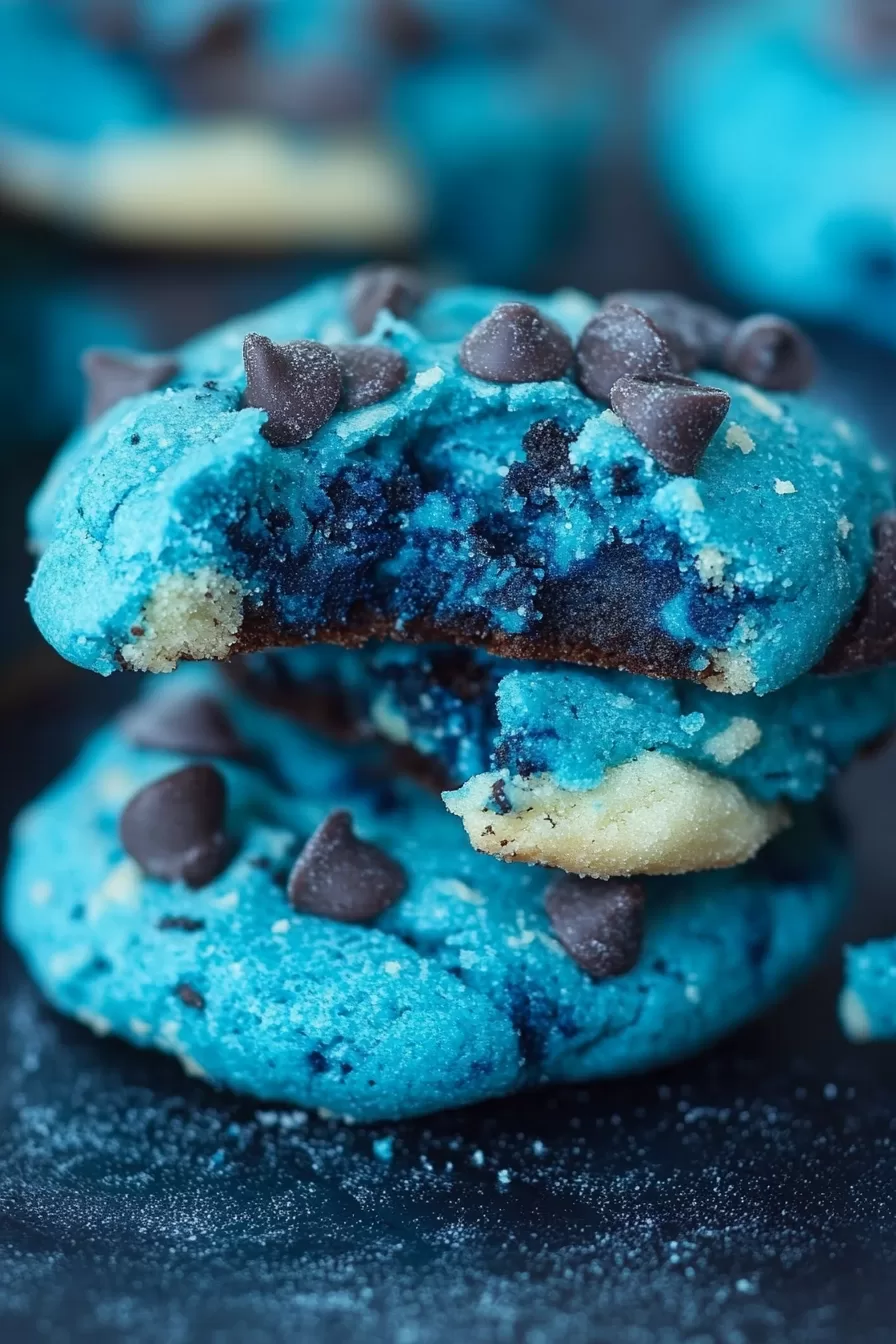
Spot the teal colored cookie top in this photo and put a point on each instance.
(777, 141)
(473, 713)
(416, 516)
(458, 992)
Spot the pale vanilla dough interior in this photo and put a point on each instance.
(652, 815)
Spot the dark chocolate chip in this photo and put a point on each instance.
(193, 724)
(341, 877)
(397, 289)
(370, 373)
(299, 385)
(217, 71)
(869, 639)
(174, 827)
(499, 797)
(313, 92)
(190, 996)
(696, 332)
(317, 1061)
(770, 352)
(114, 374)
(600, 924)
(182, 923)
(112, 23)
(516, 344)
(403, 28)
(618, 342)
(673, 418)
(868, 29)
(459, 672)
(546, 445)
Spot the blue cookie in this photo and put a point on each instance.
(316, 931)
(472, 713)
(598, 773)
(868, 1000)
(352, 124)
(460, 472)
(775, 127)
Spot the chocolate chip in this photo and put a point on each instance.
(498, 793)
(869, 639)
(299, 385)
(190, 996)
(618, 342)
(868, 29)
(341, 877)
(516, 344)
(459, 672)
(183, 923)
(403, 28)
(370, 373)
(673, 418)
(397, 289)
(114, 374)
(696, 332)
(546, 445)
(600, 924)
(112, 23)
(174, 827)
(217, 71)
(770, 352)
(193, 724)
(313, 92)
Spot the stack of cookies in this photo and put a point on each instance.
(534, 633)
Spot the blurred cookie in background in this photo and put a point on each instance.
(301, 124)
(60, 296)
(774, 126)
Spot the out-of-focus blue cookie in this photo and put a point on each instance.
(868, 1000)
(775, 127)
(302, 123)
(375, 965)
(458, 474)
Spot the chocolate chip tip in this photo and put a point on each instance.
(600, 924)
(672, 417)
(111, 374)
(298, 384)
(383, 286)
(173, 827)
(339, 876)
(516, 343)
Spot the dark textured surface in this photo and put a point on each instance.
(744, 1197)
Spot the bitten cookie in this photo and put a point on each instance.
(295, 921)
(599, 773)
(774, 129)
(549, 479)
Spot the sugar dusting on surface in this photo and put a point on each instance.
(690, 1208)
